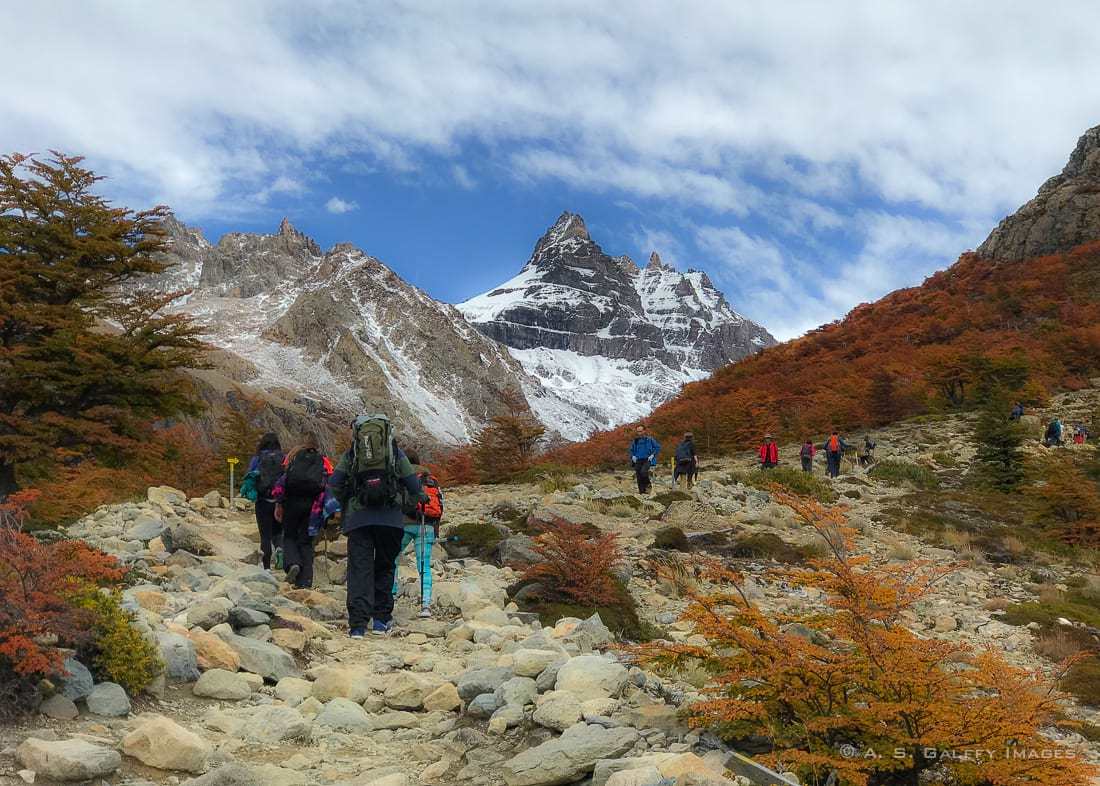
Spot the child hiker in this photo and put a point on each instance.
(422, 534)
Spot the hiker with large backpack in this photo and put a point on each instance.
(423, 534)
(375, 484)
(303, 483)
(834, 448)
(683, 470)
(643, 455)
(264, 472)
(769, 453)
(809, 450)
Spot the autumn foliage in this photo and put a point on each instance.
(577, 566)
(853, 690)
(1031, 326)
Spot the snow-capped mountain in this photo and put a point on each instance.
(605, 340)
(339, 331)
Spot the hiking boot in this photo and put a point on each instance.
(357, 633)
(379, 628)
(292, 573)
(426, 612)
(278, 559)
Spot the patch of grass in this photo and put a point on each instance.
(765, 545)
(897, 473)
(668, 497)
(620, 617)
(804, 484)
(1058, 645)
(671, 539)
(852, 494)
(480, 538)
(623, 507)
(1083, 681)
(945, 459)
(1071, 606)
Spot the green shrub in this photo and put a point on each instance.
(765, 545)
(1082, 681)
(668, 497)
(671, 539)
(118, 652)
(804, 484)
(620, 617)
(896, 473)
(476, 536)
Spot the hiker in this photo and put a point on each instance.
(834, 448)
(1053, 435)
(264, 471)
(1080, 434)
(769, 453)
(809, 450)
(423, 534)
(867, 455)
(643, 455)
(299, 492)
(374, 483)
(1017, 412)
(686, 465)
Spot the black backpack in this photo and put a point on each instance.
(270, 469)
(305, 477)
(685, 452)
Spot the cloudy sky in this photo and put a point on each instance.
(808, 155)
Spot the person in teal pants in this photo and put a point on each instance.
(422, 534)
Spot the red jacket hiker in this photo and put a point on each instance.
(769, 454)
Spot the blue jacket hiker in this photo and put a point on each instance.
(643, 455)
(422, 535)
(376, 485)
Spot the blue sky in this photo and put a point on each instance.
(809, 156)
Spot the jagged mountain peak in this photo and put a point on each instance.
(656, 263)
(1064, 213)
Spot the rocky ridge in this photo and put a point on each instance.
(262, 685)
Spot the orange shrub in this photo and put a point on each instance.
(577, 567)
(853, 690)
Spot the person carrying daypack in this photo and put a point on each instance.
(684, 469)
(1017, 412)
(1053, 436)
(643, 455)
(807, 455)
(375, 484)
(303, 484)
(769, 453)
(867, 456)
(423, 534)
(264, 472)
(834, 448)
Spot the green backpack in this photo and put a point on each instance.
(373, 466)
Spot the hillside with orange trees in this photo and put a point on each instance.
(1032, 324)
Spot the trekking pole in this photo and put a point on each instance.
(421, 565)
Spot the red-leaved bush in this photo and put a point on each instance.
(577, 567)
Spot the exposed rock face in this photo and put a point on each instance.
(605, 336)
(1065, 212)
(322, 336)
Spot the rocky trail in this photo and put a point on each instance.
(263, 686)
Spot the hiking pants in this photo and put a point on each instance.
(641, 472)
(297, 544)
(832, 463)
(271, 531)
(423, 552)
(372, 551)
(682, 475)
(807, 464)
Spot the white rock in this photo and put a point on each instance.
(592, 677)
(222, 684)
(164, 744)
(67, 760)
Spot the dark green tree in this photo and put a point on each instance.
(999, 458)
(83, 364)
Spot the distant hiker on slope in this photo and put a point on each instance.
(1080, 434)
(643, 455)
(300, 494)
(769, 453)
(834, 448)
(264, 472)
(807, 455)
(423, 534)
(1017, 412)
(375, 483)
(1053, 436)
(867, 455)
(686, 462)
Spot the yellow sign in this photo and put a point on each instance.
(233, 460)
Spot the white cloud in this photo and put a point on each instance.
(463, 178)
(339, 206)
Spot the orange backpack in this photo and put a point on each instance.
(834, 444)
(433, 508)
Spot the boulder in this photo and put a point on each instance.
(67, 760)
(260, 657)
(518, 551)
(145, 529)
(293, 690)
(342, 682)
(345, 715)
(592, 677)
(276, 723)
(207, 615)
(244, 617)
(188, 537)
(639, 776)
(558, 710)
(406, 690)
(477, 681)
(162, 743)
(212, 499)
(213, 653)
(233, 774)
(165, 496)
(77, 682)
(108, 699)
(222, 684)
(178, 653)
(59, 707)
(569, 757)
(445, 698)
(483, 705)
(531, 663)
(517, 692)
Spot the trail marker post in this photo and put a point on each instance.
(232, 461)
